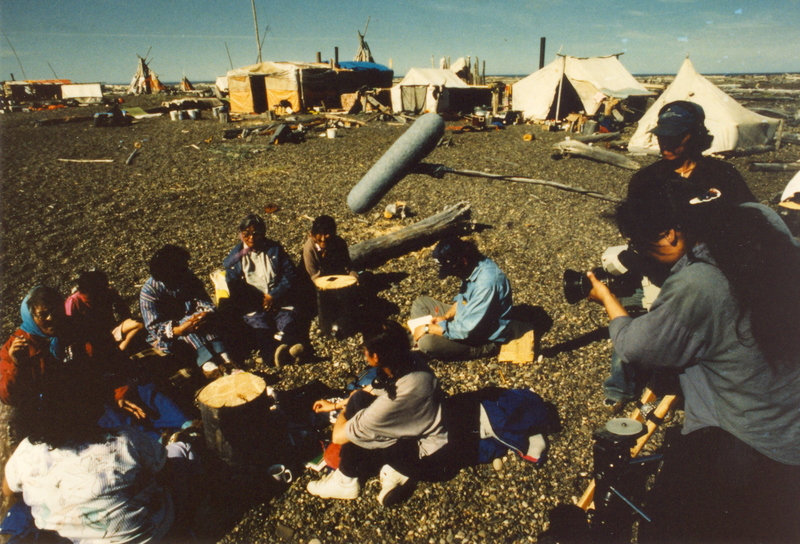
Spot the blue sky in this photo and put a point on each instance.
(98, 40)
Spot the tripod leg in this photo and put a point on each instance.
(587, 499)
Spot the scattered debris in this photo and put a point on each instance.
(86, 160)
(774, 166)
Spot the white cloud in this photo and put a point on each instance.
(683, 39)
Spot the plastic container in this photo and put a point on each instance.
(331, 133)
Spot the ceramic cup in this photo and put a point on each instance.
(280, 473)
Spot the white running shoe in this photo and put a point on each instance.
(335, 486)
(395, 487)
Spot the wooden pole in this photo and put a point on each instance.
(542, 42)
(258, 35)
(560, 85)
(229, 54)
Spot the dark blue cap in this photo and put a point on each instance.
(678, 118)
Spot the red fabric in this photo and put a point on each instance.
(15, 381)
(333, 455)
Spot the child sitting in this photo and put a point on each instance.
(99, 307)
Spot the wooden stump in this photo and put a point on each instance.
(237, 421)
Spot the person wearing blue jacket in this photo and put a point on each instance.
(477, 322)
(260, 277)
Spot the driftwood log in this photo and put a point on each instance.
(744, 151)
(439, 170)
(599, 137)
(792, 138)
(374, 252)
(572, 147)
(774, 166)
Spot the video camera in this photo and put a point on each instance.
(621, 270)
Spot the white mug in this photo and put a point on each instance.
(280, 473)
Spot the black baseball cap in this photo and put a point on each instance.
(678, 118)
(447, 253)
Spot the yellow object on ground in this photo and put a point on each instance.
(518, 350)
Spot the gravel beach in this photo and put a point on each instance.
(189, 186)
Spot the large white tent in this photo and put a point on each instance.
(425, 89)
(571, 84)
(732, 125)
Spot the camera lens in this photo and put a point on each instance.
(577, 285)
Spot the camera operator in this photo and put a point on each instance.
(682, 138)
(728, 317)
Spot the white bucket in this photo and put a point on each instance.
(175, 115)
(331, 133)
(194, 115)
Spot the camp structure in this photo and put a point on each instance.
(264, 86)
(145, 81)
(85, 93)
(732, 125)
(571, 84)
(38, 89)
(186, 85)
(437, 91)
(352, 76)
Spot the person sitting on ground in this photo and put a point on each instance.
(478, 322)
(325, 253)
(95, 306)
(90, 484)
(48, 348)
(261, 278)
(394, 428)
(178, 313)
(728, 318)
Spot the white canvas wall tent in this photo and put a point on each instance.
(85, 93)
(572, 84)
(261, 87)
(436, 90)
(732, 125)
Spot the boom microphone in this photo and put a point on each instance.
(410, 148)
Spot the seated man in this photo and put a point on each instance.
(478, 322)
(260, 277)
(325, 253)
(178, 313)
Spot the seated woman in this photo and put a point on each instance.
(261, 277)
(728, 317)
(178, 313)
(395, 428)
(95, 306)
(90, 484)
(48, 349)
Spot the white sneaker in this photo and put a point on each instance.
(395, 487)
(335, 486)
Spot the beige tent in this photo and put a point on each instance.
(145, 81)
(732, 125)
(186, 85)
(426, 89)
(262, 87)
(571, 84)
